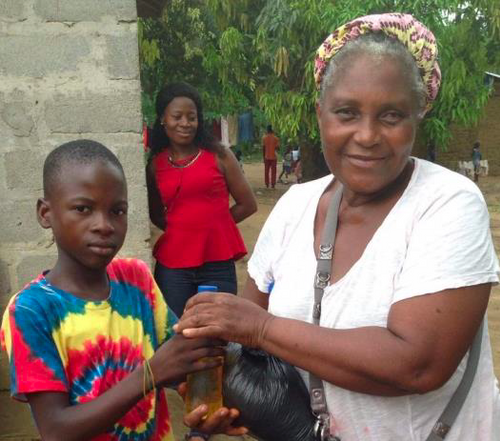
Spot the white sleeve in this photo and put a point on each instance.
(450, 246)
(269, 243)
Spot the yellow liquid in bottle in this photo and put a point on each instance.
(205, 387)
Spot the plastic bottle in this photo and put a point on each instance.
(205, 387)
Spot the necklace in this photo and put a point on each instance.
(190, 161)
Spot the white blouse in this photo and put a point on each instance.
(436, 237)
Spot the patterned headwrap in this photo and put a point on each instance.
(414, 35)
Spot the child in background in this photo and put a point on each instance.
(287, 165)
(297, 165)
(90, 342)
(476, 159)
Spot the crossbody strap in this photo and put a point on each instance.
(451, 411)
(321, 281)
(316, 389)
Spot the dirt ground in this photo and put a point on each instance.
(15, 419)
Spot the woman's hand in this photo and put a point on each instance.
(219, 422)
(226, 317)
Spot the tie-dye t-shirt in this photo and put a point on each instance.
(59, 342)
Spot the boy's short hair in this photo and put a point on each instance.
(81, 151)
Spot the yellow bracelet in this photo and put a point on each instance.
(148, 382)
(144, 379)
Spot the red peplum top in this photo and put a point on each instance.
(199, 225)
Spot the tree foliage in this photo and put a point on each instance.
(259, 53)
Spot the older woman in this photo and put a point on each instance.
(413, 263)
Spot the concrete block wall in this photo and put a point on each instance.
(68, 69)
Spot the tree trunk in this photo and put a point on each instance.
(313, 162)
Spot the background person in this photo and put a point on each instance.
(190, 178)
(476, 160)
(413, 263)
(431, 151)
(270, 145)
(287, 165)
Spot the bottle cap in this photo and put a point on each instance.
(211, 288)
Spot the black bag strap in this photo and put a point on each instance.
(316, 389)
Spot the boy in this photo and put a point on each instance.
(287, 165)
(476, 159)
(91, 339)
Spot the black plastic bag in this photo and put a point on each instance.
(270, 395)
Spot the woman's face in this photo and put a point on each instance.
(181, 121)
(368, 121)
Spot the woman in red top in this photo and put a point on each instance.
(190, 177)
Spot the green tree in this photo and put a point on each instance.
(286, 33)
(259, 53)
(185, 44)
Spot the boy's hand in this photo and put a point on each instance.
(180, 356)
(219, 422)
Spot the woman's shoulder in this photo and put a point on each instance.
(439, 181)
(299, 196)
(436, 189)
(313, 186)
(157, 159)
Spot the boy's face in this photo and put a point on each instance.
(87, 211)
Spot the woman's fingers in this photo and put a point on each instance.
(196, 317)
(202, 316)
(206, 331)
(221, 316)
(204, 298)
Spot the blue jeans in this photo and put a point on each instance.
(178, 285)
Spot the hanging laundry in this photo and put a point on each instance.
(245, 127)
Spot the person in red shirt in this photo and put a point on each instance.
(270, 144)
(190, 177)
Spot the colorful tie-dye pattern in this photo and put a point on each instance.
(59, 342)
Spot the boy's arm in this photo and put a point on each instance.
(39, 375)
(57, 420)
